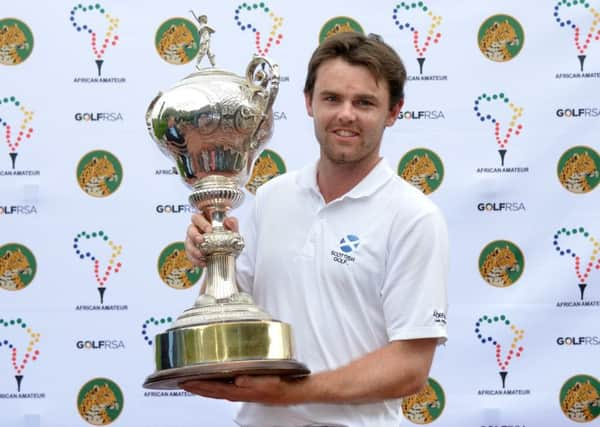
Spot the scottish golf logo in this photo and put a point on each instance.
(497, 110)
(266, 167)
(339, 24)
(579, 398)
(99, 173)
(99, 25)
(151, 324)
(578, 169)
(505, 337)
(100, 401)
(422, 23)
(18, 347)
(500, 38)
(175, 270)
(501, 263)
(15, 120)
(346, 249)
(17, 267)
(423, 169)
(99, 251)
(583, 21)
(16, 41)
(425, 406)
(582, 250)
(177, 41)
(260, 21)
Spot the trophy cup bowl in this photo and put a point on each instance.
(213, 124)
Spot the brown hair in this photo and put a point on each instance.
(357, 49)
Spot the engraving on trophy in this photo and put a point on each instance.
(213, 124)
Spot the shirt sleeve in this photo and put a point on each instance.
(247, 259)
(414, 291)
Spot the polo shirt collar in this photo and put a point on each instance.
(377, 177)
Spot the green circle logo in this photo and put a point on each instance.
(177, 41)
(578, 169)
(268, 165)
(17, 267)
(501, 263)
(500, 38)
(99, 173)
(579, 398)
(339, 24)
(426, 406)
(175, 270)
(16, 41)
(100, 401)
(422, 168)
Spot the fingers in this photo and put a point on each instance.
(231, 223)
(194, 236)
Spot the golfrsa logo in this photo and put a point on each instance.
(98, 117)
(17, 266)
(100, 401)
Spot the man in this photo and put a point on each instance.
(349, 254)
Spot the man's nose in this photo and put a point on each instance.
(347, 112)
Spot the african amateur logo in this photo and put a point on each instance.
(500, 38)
(582, 20)
(16, 41)
(266, 167)
(347, 247)
(426, 406)
(99, 173)
(175, 269)
(17, 267)
(101, 29)
(423, 169)
(505, 337)
(100, 401)
(177, 41)
(577, 247)
(577, 169)
(422, 23)
(501, 263)
(579, 398)
(15, 118)
(339, 24)
(18, 349)
(497, 110)
(262, 22)
(97, 250)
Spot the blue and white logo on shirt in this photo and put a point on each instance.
(347, 245)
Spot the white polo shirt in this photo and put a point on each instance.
(349, 276)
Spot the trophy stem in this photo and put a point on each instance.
(220, 276)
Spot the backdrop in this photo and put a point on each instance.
(500, 128)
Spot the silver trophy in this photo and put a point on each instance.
(213, 124)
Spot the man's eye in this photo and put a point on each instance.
(364, 102)
(330, 98)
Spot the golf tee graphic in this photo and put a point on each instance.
(20, 342)
(421, 22)
(583, 19)
(583, 249)
(15, 118)
(503, 114)
(103, 254)
(85, 20)
(258, 18)
(504, 336)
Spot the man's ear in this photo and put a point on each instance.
(394, 112)
(308, 103)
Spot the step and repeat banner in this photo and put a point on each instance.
(500, 128)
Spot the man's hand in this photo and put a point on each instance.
(194, 236)
(267, 389)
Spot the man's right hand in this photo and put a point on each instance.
(194, 236)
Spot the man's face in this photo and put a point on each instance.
(350, 111)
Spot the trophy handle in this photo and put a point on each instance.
(264, 74)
